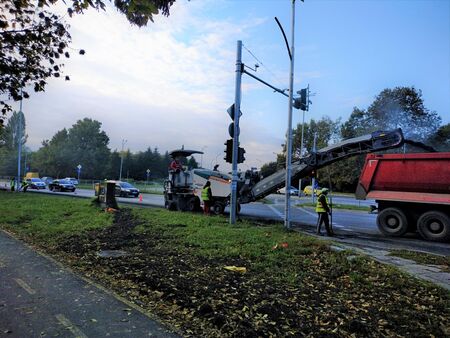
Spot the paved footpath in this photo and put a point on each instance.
(40, 298)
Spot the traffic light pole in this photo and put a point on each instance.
(237, 109)
(287, 207)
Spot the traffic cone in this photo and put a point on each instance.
(140, 197)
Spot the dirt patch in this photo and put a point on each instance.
(202, 299)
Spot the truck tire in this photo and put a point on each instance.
(217, 208)
(194, 204)
(170, 205)
(434, 226)
(392, 222)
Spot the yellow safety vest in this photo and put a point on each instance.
(319, 207)
(205, 195)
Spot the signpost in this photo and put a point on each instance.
(79, 171)
(148, 175)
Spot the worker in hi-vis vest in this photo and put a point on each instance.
(206, 197)
(323, 210)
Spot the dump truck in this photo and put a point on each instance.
(182, 189)
(412, 192)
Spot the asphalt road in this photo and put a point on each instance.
(356, 228)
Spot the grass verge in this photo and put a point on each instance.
(294, 285)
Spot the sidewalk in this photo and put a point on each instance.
(430, 273)
(40, 298)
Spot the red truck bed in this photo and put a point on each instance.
(416, 177)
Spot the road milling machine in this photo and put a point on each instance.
(182, 189)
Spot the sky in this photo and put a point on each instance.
(170, 83)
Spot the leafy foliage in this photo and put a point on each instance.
(33, 40)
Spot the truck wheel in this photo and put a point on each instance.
(392, 222)
(170, 205)
(193, 204)
(217, 208)
(434, 226)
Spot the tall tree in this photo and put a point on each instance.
(401, 107)
(33, 39)
(440, 140)
(11, 136)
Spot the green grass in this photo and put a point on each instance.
(46, 218)
(338, 206)
(423, 258)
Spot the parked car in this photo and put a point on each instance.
(73, 180)
(47, 180)
(125, 189)
(35, 183)
(292, 191)
(61, 185)
(308, 190)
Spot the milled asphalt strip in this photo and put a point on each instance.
(69, 326)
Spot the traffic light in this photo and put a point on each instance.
(302, 102)
(228, 151)
(241, 152)
(313, 174)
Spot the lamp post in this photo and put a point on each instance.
(79, 172)
(121, 159)
(148, 175)
(287, 207)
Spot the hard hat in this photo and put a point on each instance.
(324, 190)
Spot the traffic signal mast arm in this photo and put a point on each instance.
(359, 145)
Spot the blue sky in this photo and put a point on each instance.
(170, 83)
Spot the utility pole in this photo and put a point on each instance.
(19, 144)
(121, 159)
(301, 144)
(287, 207)
(313, 194)
(237, 110)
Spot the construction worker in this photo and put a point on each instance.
(175, 165)
(24, 186)
(12, 184)
(206, 197)
(323, 210)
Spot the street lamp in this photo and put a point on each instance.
(121, 159)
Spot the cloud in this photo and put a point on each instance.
(164, 85)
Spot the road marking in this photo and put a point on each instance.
(25, 286)
(308, 212)
(68, 325)
(276, 211)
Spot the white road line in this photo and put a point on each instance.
(308, 212)
(275, 211)
(68, 325)
(25, 286)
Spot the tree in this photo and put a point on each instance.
(401, 107)
(84, 143)
(440, 140)
(33, 39)
(326, 129)
(12, 134)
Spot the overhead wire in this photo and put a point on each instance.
(274, 77)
